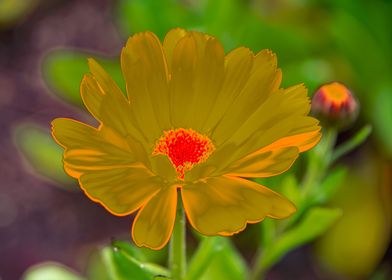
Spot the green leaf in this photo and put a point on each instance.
(42, 154)
(206, 251)
(63, 71)
(141, 15)
(129, 250)
(329, 186)
(122, 264)
(290, 189)
(50, 271)
(12, 11)
(227, 264)
(352, 143)
(316, 221)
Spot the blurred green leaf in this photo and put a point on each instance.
(12, 11)
(63, 71)
(42, 154)
(122, 264)
(352, 143)
(316, 221)
(329, 186)
(156, 16)
(227, 264)
(290, 189)
(130, 250)
(381, 113)
(50, 271)
(206, 251)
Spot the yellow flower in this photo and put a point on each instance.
(193, 120)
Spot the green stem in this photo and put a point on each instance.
(319, 161)
(259, 272)
(268, 236)
(351, 144)
(177, 254)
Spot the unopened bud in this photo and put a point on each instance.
(335, 105)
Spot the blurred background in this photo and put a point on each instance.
(43, 49)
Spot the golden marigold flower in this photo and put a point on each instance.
(193, 120)
(335, 105)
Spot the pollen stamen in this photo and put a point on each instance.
(185, 148)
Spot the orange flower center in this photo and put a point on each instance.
(185, 148)
(336, 93)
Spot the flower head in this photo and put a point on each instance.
(335, 105)
(194, 122)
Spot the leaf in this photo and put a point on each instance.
(329, 186)
(50, 271)
(206, 251)
(123, 265)
(315, 223)
(141, 15)
(130, 250)
(63, 71)
(227, 264)
(42, 154)
(290, 189)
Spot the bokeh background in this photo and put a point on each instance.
(43, 47)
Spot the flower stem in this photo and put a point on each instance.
(351, 144)
(177, 254)
(319, 161)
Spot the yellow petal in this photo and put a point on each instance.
(87, 149)
(154, 223)
(144, 67)
(106, 102)
(238, 64)
(303, 141)
(264, 163)
(121, 190)
(281, 115)
(170, 42)
(197, 71)
(275, 158)
(264, 79)
(224, 205)
(108, 171)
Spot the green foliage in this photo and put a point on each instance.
(226, 263)
(51, 271)
(63, 71)
(42, 154)
(122, 258)
(329, 186)
(158, 16)
(315, 223)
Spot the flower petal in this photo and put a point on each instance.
(108, 171)
(154, 223)
(275, 158)
(170, 42)
(120, 190)
(87, 149)
(223, 205)
(197, 72)
(264, 79)
(238, 65)
(145, 71)
(264, 163)
(106, 102)
(265, 126)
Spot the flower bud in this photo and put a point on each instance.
(335, 105)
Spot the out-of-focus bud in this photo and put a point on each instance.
(335, 105)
